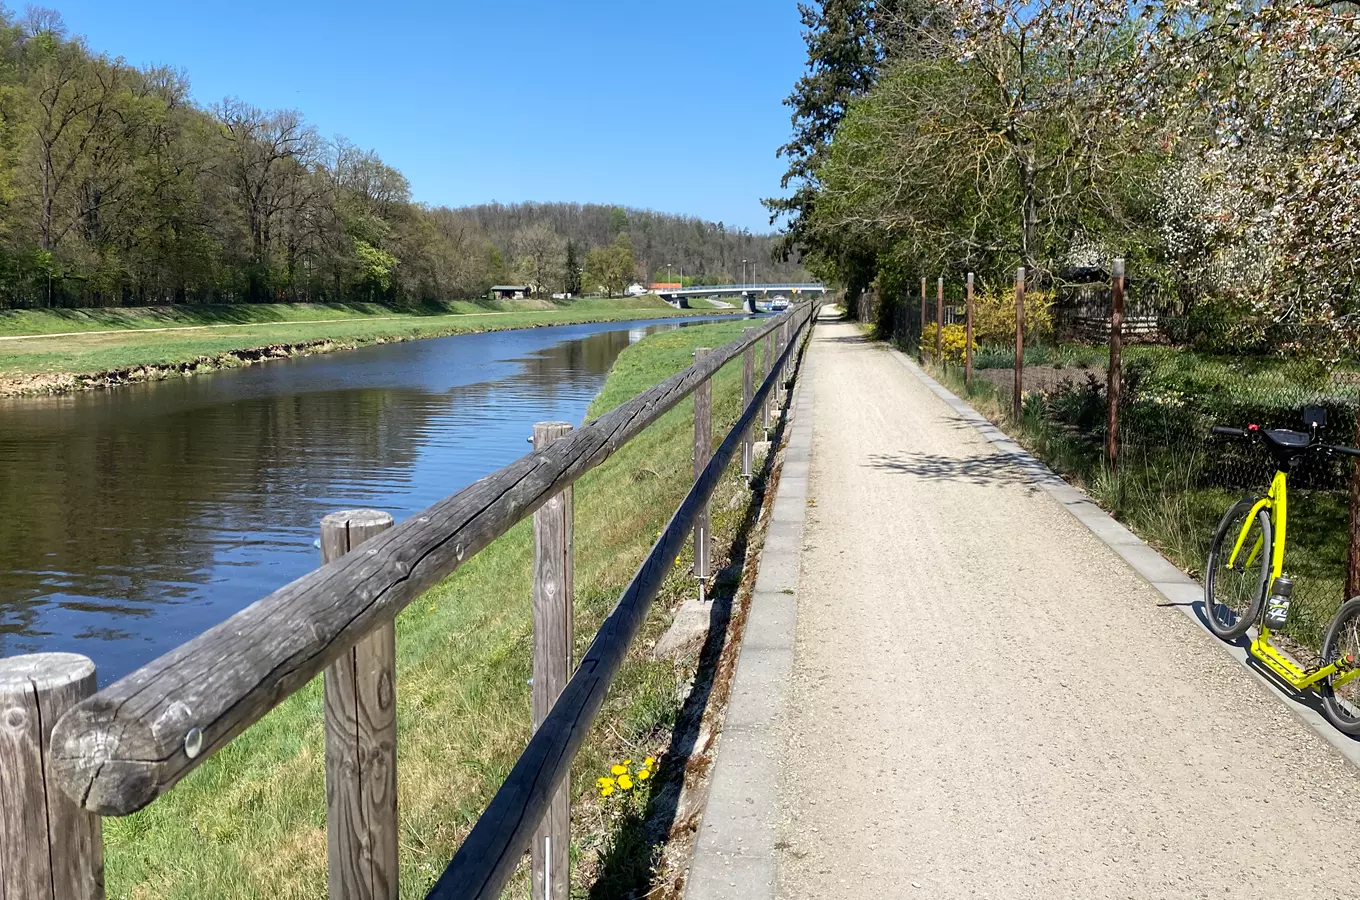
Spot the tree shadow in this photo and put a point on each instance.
(628, 869)
(994, 470)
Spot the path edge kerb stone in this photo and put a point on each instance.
(734, 852)
(1179, 589)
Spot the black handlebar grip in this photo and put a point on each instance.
(1345, 451)
(1231, 432)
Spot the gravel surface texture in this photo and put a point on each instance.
(987, 702)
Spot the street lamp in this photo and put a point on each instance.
(668, 273)
(743, 271)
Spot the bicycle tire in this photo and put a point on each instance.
(1230, 620)
(1343, 636)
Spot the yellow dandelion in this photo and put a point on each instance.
(644, 774)
(627, 762)
(649, 762)
(618, 770)
(625, 782)
(605, 782)
(606, 791)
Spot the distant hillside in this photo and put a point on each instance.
(705, 251)
(116, 189)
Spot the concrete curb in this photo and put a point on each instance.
(1179, 589)
(734, 853)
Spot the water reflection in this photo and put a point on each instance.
(132, 520)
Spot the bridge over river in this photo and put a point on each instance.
(750, 294)
(957, 677)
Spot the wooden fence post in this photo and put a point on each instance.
(968, 340)
(50, 848)
(361, 740)
(1019, 341)
(765, 369)
(921, 348)
(1114, 381)
(748, 375)
(703, 449)
(939, 322)
(786, 335)
(554, 600)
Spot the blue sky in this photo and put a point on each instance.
(664, 104)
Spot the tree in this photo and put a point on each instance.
(1260, 102)
(844, 52)
(1001, 141)
(572, 271)
(611, 267)
(267, 157)
(537, 250)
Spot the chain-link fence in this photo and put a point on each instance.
(1181, 372)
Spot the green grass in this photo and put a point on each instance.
(199, 335)
(250, 822)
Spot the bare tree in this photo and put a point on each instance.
(267, 155)
(538, 253)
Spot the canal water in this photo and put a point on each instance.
(133, 519)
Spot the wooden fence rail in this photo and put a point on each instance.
(129, 743)
(114, 751)
(485, 862)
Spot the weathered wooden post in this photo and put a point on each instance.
(786, 372)
(921, 348)
(50, 848)
(361, 740)
(1114, 380)
(1019, 341)
(748, 376)
(554, 599)
(939, 322)
(703, 448)
(765, 369)
(968, 340)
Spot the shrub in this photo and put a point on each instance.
(994, 316)
(952, 341)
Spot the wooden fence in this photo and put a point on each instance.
(69, 755)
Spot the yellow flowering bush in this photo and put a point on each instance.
(624, 777)
(952, 341)
(994, 317)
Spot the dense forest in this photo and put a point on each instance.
(116, 189)
(1213, 143)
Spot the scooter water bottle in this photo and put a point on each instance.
(1277, 606)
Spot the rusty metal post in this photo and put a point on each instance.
(1019, 342)
(1114, 386)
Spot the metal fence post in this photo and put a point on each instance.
(968, 340)
(1353, 546)
(1114, 380)
(361, 740)
(748, 373)
(1019, 341)
(553, 604)
(50, 848)
(703, 449)
(921, 344)
(939, 322)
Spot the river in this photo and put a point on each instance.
(133, 519)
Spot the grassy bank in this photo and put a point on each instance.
(109, 346)
(250, 822)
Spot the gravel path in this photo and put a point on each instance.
(987, 702)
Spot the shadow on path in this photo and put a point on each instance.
(995, 469)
